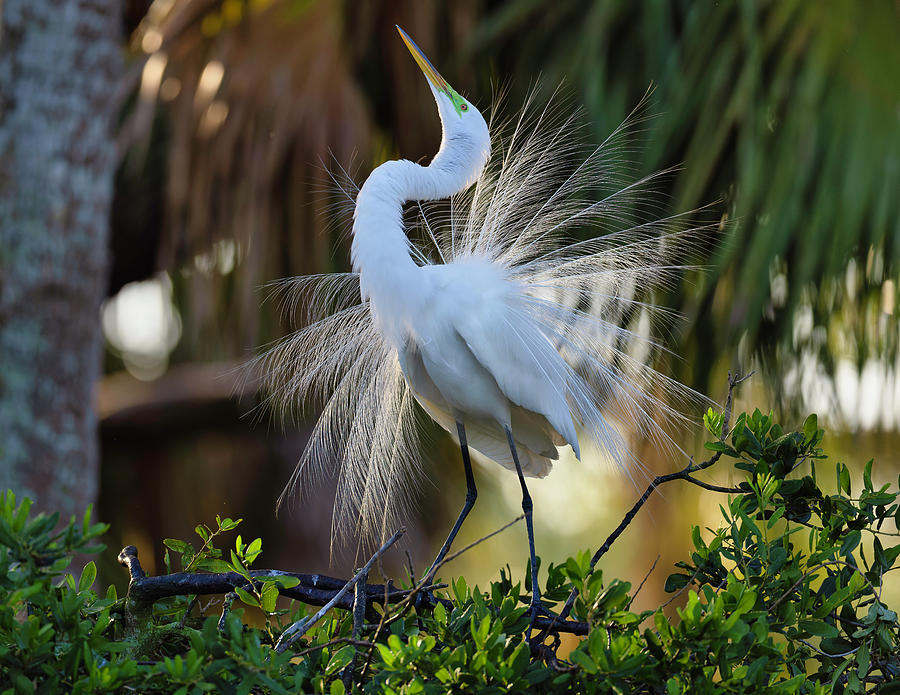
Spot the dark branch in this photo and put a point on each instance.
(314, 590)
(295, 631)
(128, 558)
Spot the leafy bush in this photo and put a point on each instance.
(783, 597)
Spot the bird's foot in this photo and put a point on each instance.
(425, 599)
(540, 608)
(537, 609)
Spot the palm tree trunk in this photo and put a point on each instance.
(59, 65)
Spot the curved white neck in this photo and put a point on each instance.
(380, 250)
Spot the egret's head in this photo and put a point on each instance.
(463, 124)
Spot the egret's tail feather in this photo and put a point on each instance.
(536, 441)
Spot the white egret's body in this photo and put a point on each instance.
(512, 336)
(464, 354)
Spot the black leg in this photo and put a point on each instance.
(527, 508)
(471, 496)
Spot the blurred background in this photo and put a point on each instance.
(230, 114)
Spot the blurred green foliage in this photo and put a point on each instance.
(784, 109)
(783, 597)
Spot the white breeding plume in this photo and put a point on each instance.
(507, 329)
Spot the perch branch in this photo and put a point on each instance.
(313, 589)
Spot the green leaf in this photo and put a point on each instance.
(88, 575)
(212, 564)
(253, 549)
(227, 524)
(269, 595)
(845, 478)
(341, 658)
(810, 428)
(86, 520)
(863, 660)
(697, 540)
(24, 685)
(891, 554)
(573, 569)
(337, 687)
(676, 581)
(851, 540)
(836, 646)
(460, 590)
(779, 512)
(287, 581)
(874, 499)
(387, 654)
(238, 566)
(713, 420)
(483, 629)
(583, 660)
(178, 546)
(818, 628)
(247, 597)
(721, 447)
(745, 440)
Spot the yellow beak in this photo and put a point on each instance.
(433, 75)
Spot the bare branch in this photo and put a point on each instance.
(299, 628)
(643, 581)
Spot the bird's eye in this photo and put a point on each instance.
(464, 107)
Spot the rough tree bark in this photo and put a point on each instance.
(59, 64)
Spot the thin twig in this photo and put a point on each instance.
(412, 570)
(714, 488)
(683, 474)
(733, 381)
(471, 545)
(643, 581)
(813, 570)
(359, 617)
(335, 641)
(226, 606)
(384, 610)
(187, 611)
(830, 656)
(682, 589)
(411, 597)
(299, 628)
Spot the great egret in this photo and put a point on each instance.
(511, 336)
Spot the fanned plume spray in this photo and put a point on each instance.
(585, 243)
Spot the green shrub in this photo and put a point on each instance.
(783, 597)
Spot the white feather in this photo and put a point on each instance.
(515, 323)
